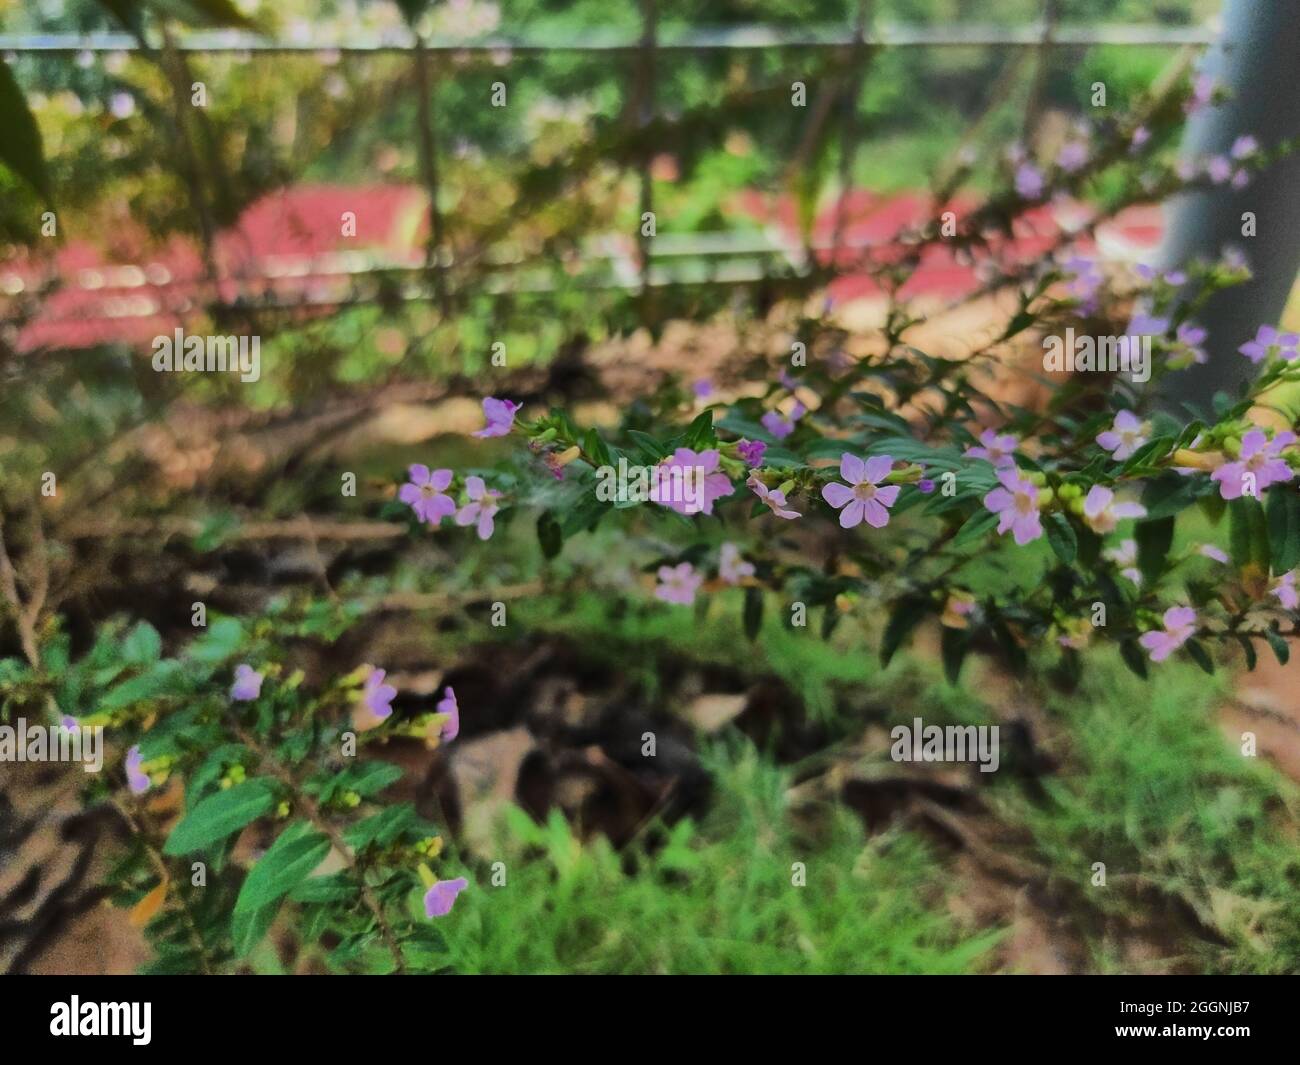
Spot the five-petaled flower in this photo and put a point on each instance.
(377, 695)
(1258, 465)
(1016, 504)
(1180, 626)
(423, 493)
(440, 898)
(1124, 437)
(751, 452)
(1102, 513)
(997, 449)
(500, 415)
(448, 705)
(864, 498)
(248, 683)
(1285, 590)
(678, 584)
(1267, 338)
(773, 497)
(137, 780)
(480, 508)
(685, 470)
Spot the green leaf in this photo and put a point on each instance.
(976, 526)
(596, 448)
(142, 645)
(20, 137)
(334, 887)
(219, 815)
(1281, 650)
(1284, 527)
(1154, 538)
(285, 865)
(953, 646)
(1131, 653)
(648, 445)
(753, 612)
(1248, 648)
(906, 616)
(549, 535)
(1061, 535)
(700, 434)
(1200, 656)
(1248, 533)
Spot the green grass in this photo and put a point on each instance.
(716, 899)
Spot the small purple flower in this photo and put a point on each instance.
(864, 498)
(248, 684)
(1219, 169)
(1244, 146)
(1193, 336)
(925, 486)
(678, 584)
(1240, 179)
(448, 705)
(423, 493)
(751, 452)
(731, 567)
(1144, 324)
(778, 424)
(1072, 156)
(1102, 513)
(1125, 556)
(1266, 338)
(702, 388)
(1029, 181)
(1180, 626)
(121, 105)
(1086, 278)
(1124, 437)
(137, 780)
(1016, 504)
(440, 898)
(480, 508)
(1259, 459)
(997, 449)
(1140, 136)
(70, 723)
(773, 497)
(500, 415)
(1285, 590)
(377, 695)
(1212, 552)
(1202, 92)
(711, 484)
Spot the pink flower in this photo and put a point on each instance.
(1202, 92)
(1140, 136)
(780, 426)
(1072, 156)
(1125, 556)
(1219, 169)
(377, 695)
(1180, 626)
(1193, 336)
(137, 780)
(1124, 437)
(1258, 459)
(1029, 181)
(1244, 146)
(1285, 590)
(1016, 503)
(440, 898)
(448, 705)
(999, 450)
(480, 508)
(864, 498)
(701, 470)
(248, 683)
(500, 414)
(774, 498)
(1102, 513)
(679, 584)
(751, 452)
(424, 494)
(1266, 338)
(702, 388)
(731, 567)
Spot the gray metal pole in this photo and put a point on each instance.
(1256, 59)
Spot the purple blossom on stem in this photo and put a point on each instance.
(1125, 556)
(1016, 504)
(711, 483)
(500, 415)
(751, 452)
(778, 424)
(481, 507)
(925, 486)
(423, 493)
(997, 449)
(1212, 552)
(377, 695)
(1124, 437)
(702, 388)
(448, 705)
(137, 780)
(1193, 336)
(864, 498)
(773, 497)
(1244, 146)
(1180, 626)
(1285, 590)
(1103, 514)
(1202, 92)
(248, 683)
(1029, 181)
(1219, 169)
(1072, 156)
(678, 584)
(1140, 136)
(1267, 338)
(440, 898)
(1259, 458)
